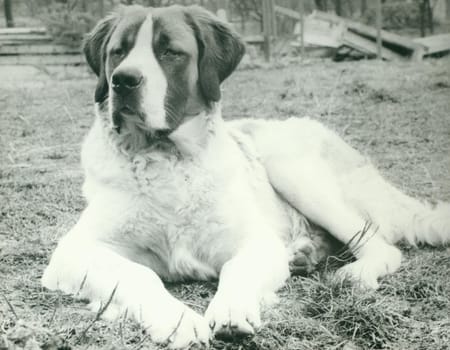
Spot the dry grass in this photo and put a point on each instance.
(396, 113)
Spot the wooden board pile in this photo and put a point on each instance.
(33, 46)
(350, 39)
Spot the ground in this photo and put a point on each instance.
(395, 113)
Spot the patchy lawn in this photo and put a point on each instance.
(396, 113)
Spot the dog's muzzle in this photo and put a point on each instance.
(126, 81)
(126, 84)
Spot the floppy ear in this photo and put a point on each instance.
(220, 50)
(94, 48)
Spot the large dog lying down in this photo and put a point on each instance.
(175, 193)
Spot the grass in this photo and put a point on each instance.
(396, 113)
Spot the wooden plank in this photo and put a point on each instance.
(316, 51)
(321, 33)
(364, 45)
(273, 18)
(13, 31)
(321, 39)
(316, 32)
(7, 6)
(59, 60)
(435, 43)
(287, 12)
(45, 49)
(267, 27)
(24, 37)
(302, 28)
(254, 39)
(369, 31)
(379, 25)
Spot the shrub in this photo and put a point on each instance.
(67, 24)
(396, 15)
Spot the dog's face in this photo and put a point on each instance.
(156, 66)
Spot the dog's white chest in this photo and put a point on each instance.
(176, 220)
(179, 186)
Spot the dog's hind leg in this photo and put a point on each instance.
(311, 187)
(402, 216)
(307, 251)
(337, 188)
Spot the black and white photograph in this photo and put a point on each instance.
(225, 174)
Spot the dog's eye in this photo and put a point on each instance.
(171, 53)
(117, 52)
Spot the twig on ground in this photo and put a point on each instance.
(69, 114)
(347, 252)
(190, 303)
(42, 68)
(177, 326)
(333, 92)
(99, 314)
(22, 118)
(81, 285)
(433, 184)
(141, 342)
(10, 306)
(122, 321)
(42, 149)
(57, 305)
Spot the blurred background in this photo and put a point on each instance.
(271, 28)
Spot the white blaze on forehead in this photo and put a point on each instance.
(142, 57)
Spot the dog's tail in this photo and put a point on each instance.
(398, 215)
(428, 224)
(417, 221)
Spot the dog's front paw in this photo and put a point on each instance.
(233, 315)
(178, 326)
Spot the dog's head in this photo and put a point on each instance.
(155, 66)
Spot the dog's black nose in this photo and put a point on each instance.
(126, 80)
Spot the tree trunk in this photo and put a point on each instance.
(363, 7)
(267, 28)
(321, 5)
(302, 28)
(338, 7)
(84, 6)
(379, 21)
(101, 8)
(8, 13)
(429, 16)
(422, 18)
(351, 9)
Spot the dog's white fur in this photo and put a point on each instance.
(212, 213)
(208, 209)
(337, 188)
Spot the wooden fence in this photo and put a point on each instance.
(347, 36)
(266, 24)
(33, 46)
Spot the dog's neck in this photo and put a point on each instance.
(194, 135)
(190, 138)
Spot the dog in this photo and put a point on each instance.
(176, 193)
